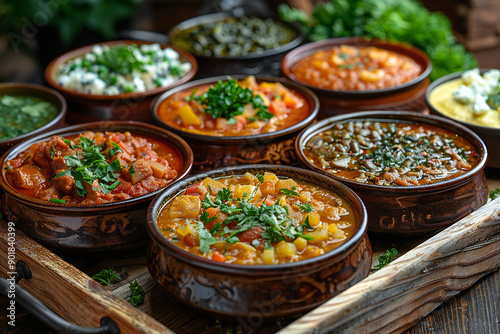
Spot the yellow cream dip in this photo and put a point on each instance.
(442, 100)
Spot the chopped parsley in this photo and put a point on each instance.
(206, 239)
(306, 207)
(227, 99)
(289, 192)
(260, 177)
(495, 193)
(91, 166)
(57, 200)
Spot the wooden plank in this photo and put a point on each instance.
(70, 293)
(398, 295)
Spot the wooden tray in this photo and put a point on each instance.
(429, 270)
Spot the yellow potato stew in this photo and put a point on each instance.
(234, 108)
(257, 219)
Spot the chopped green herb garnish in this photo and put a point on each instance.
(116, 148)
(131, 170)
(386, 258)
(136, 294)
(57, 200)
(289, 192)
(206, 239)
(305, 207)
(206, 219)
(52, 152)
(495, 193)
(260, 177)
(168, 229)
(227, 99)
(106, 276)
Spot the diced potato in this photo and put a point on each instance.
(339, 234)
(249, 82)
(142, 170)
(270, 177)
(320, 64)
(332, 229)
(264, 98)
(377, 54)
(245, 247)
(185, 230)
(285, 184)
(253, 125)
(213, 185)
(314, 219)
(187, 115)
(159, 170)
(243, 191)
(374, 76)
(250, 178)
(221, 123)
(283, 201)
(269, 256)
(219, 245)
(305, 196)
(268, 188)
(319, 235)
(335, 59)
(286, 249)
(185, 206)
(391, 61)
(300, 244)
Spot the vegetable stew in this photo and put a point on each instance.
(234, 108)
(391, 153)
(356, 68)
(93, 168)
(257, 219)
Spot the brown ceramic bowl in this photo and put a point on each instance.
(126, 106)
(258, 291)
(263, 63)
(490, 136)
(110, 227)
(415, 209)
(407, 96)
(213, 152)
(24, 89)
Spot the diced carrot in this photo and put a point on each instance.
(125, 147)
(212, 212)
(194, 189)
(277, 107)
(216, 256)
(270, 201)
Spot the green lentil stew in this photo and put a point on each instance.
(391, 153)
(234, 37)
(23, 114)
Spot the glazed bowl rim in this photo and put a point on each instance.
(176, 142)
(61, 111)
(255, 270)
(311, 47)
(214, 17)
(305, 93)
(327, 123)
(55, 64)
(445, 79)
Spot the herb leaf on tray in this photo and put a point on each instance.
(106, 276)
(136, 294)
(494, 194)
(386, 258)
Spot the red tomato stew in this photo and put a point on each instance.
(356, 68)
(391, 154)
(94, 168)
(257, 219)
(234, 108)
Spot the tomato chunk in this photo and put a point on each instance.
(251, 234)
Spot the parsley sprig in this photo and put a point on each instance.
(386, 258)
(289, 192)
(105, 276)
(495, 193)
(136, 294)
(91, 165)
(227, 99)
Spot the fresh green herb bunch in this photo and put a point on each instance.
(228, 99)
(105, 276)
(398, 20)
(494, 194)
(91, 165)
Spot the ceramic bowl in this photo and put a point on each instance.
(264, 63)
(213, 152)
(258, 291)
(414, 209)
(490, 136)
(111, 227)
(24, 89)
(126, 106)
(407, 96)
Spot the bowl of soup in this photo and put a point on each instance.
(117, 80)
(237, 120)
(28, 110)
(225, 44)
(353, 73)
(267, 239)
(415, 173)
(472, 99)
(86, 188)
